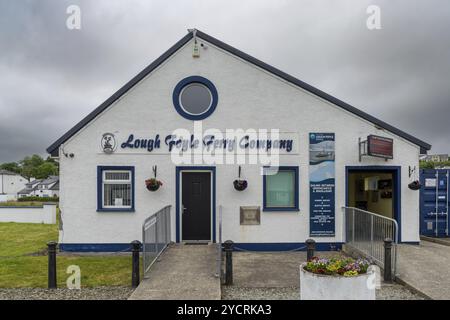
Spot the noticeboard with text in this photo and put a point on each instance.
(322, 184)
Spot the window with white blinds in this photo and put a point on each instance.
(117, 189)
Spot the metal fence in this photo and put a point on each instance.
(155, 237)
(366, 231)
(219, 271)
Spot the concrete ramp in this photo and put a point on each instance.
(183, 272)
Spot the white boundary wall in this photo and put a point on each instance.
(29, 214)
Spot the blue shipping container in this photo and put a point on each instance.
(434, 202)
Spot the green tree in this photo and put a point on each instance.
(11, 166)
(33, 166)
(44, 170)
(29, 165)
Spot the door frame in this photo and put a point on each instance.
(396, 172)
(178, 194)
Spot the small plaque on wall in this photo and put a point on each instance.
(250, 215)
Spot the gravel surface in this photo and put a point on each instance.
(387, 292)
(99, 293)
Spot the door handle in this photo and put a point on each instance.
(183, 208)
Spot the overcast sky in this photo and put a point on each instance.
(51, 77)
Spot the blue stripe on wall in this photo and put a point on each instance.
(95, 247)
(126, 247)
(286, 246)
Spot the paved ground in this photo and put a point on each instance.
(184, 272)
(270, 269)
(426, 267)
(275, 275)
(98, 293)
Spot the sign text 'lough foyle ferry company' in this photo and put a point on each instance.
(208, 143)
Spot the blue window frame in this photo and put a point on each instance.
(195, 90)
(280, 188)
(115, 188)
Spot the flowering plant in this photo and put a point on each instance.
(153, 184)
(346, 267)
(240, 185)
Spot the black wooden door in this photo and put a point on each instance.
(196, 206)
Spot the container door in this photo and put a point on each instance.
(434, 202)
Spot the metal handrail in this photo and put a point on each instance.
(151, 229)
(368, 237)
(219, 245)
(380, 216)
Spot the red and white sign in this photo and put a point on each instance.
(380, 147)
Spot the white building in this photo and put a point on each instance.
(41, 188)
(10, 184)
(106, 158)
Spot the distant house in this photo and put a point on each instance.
(29, 188)
(436, 158)
(41, 188)
(10, 184)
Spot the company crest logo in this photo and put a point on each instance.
(108, 143)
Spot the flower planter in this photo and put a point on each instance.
(240, 185)
(325, 287)
(153, 187)
(415, 185)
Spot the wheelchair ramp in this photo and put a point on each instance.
(183, 272)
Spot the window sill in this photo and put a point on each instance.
(281, 209)
(116, 210)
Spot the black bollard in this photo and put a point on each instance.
(310, 248)
(388, 260)
(135, 273)
(228, 247)
(52, 264)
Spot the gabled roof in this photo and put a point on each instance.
(53, 149)
(55, 186)
(25, 191)
(50, 180)
(34, 182)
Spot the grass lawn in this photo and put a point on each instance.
(19, 268)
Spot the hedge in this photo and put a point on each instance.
(39, 199)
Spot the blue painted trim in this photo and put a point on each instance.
(178, 171)
(278, 246)
(187, 81)
(278, 209)
(397, 177)
(100, 170)
(116, 210)
(287, 246)
(95, 247)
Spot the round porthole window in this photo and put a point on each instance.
(195, 98)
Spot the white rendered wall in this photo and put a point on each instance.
(248, 98)
(29, 214)
(12, 184)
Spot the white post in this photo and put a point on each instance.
(49, 213)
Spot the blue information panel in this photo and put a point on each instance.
(322, 185)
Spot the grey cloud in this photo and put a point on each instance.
(52, 77)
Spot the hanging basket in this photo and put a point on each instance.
(240, 185)
(153, 184)
(415, 185)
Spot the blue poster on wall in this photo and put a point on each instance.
(322, 185)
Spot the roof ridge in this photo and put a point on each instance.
(53, 149)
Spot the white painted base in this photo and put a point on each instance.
(323, 287)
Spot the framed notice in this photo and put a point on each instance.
(322, 184)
